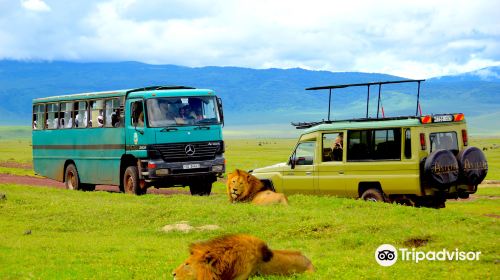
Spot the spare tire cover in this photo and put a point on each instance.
(441, 168)
(473, 166)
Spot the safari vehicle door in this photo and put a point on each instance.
(331, 178)
(299, 175)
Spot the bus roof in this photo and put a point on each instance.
(149, 92)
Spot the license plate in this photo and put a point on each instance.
(191, 166)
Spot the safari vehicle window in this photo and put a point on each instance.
(444, 140)
(178, 111)
(304, 153)
(332, 146)
(380, 144)
(407, 143)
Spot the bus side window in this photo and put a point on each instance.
(66, 116)
(113, 112)
(96, 113)
(53, 116)
(39, 117)
(81, 118)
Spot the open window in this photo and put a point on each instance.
(333, 144)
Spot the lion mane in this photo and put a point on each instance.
(228, 257)
(244, 187)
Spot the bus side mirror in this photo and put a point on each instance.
(221, 112)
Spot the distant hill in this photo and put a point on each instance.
(256, 97)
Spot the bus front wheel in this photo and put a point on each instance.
(201, 188)
(131, 181)
(71, 179)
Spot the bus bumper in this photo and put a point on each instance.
(153, 170)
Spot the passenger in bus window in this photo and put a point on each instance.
(100, 121)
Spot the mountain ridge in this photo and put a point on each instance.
(250, 96)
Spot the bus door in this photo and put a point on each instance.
(137, 136)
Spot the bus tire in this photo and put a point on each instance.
(131, 181)
(202, 188)
(71, 178)
(374, 195)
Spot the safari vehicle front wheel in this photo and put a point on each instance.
(131, 181)
(373, 195)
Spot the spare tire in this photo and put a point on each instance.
(473, 166)
(441, 169)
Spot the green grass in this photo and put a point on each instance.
(492, 155)
(110, 236)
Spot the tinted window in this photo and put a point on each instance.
(380, 144)
(444, 140)
(407, 143)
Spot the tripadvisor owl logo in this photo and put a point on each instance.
(386, 255)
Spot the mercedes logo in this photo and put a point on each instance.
(189, 149)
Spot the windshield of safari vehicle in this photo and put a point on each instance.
(178, 111)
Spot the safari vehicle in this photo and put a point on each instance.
(419, 160)
(161, 136)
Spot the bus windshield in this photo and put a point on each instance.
(178, 111)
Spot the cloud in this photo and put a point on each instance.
(416, 40)
(35, 5)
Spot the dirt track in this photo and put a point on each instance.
(44, 182)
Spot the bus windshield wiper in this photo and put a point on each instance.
(168, 129)
(203, 127)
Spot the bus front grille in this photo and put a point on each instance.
(187, 151)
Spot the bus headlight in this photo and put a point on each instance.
(162, 172)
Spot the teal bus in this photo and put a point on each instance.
(160, 136)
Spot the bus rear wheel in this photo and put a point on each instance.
(131, 181)
(71, 179)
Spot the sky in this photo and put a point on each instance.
(412, 39)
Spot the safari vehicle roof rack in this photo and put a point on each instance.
(301, 125)
(170, 87)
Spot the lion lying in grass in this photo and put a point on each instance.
(244, 187)
(227, 257)
(238, 257)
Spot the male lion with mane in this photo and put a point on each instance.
(228, 257)
(244, 187)
(238, 257)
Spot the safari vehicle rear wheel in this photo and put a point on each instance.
(374, 195)
(71, 179)
(201, 187)
(131, 181)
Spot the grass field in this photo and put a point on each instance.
(109, 236)
(48, 233)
